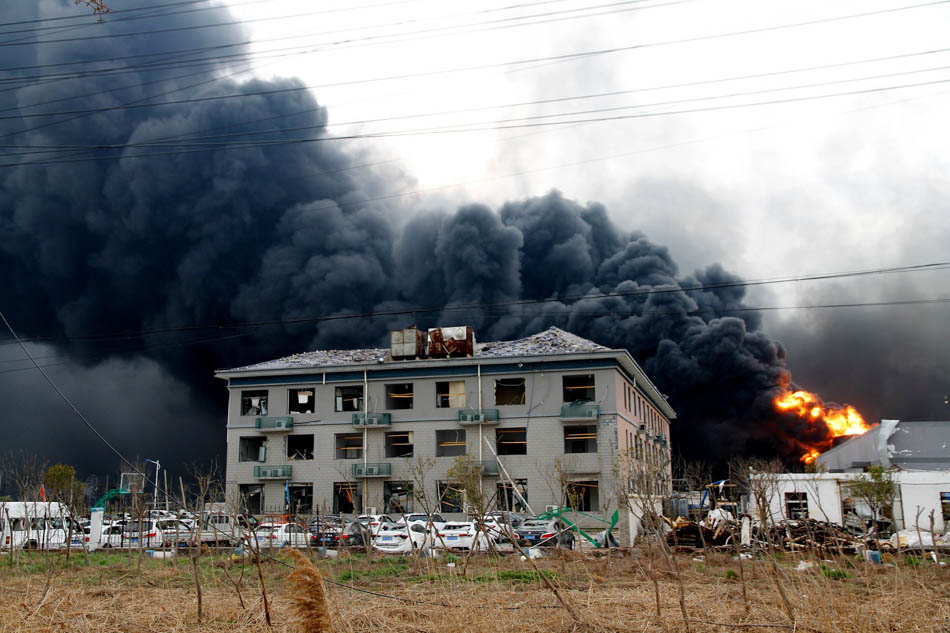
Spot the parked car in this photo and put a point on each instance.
(546, 532)
(276, 535)
(354, 534)
(324, 530)
(435, 520)
(176, 532)
(399, 538)
(461, 536)
(146, 530)
(374, 521)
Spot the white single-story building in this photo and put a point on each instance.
(827, 497)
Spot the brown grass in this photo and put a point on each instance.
(497, 595)
(308, 599)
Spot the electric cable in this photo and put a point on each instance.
(639, 292)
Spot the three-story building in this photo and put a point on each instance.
(551, 419)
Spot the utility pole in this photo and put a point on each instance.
(155, 495)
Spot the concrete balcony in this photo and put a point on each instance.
(580, 412)
(273, 472)
(468, 417)
(372, 470)
(372, 420)
(274, 425)
(488, 468)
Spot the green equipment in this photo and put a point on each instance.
(559, 513)
(111, 494)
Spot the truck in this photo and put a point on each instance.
(37, 525)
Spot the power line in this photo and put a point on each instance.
(161, 144)
(562, 57)
(652, 291)
(194, 27)
(500, 124)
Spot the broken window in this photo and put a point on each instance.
(254, 402)
(346, 497)
(302, 401)
(251, 449)
(511, 441)
(508, 499)
(580, 439)
(301, 498)
(450, 394)
(349, 398)
(579, 388)
(399, 396)
(300, 446)
(451, 497)
(582, 496)
(796, 505)
(945, 506)
(252, 498)
(509, 391)
(399, 444)
(397, 497)
(349, 445)
(450, 443)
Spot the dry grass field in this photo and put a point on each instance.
(493, 594)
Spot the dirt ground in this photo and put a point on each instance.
(634, 592)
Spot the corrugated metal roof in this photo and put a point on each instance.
(551, 341)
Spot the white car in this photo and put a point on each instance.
(461, 536)
(375, 521)
(435, 520)
(276, 535)
(400, 539)
(146, 530)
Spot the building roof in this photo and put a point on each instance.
(908, 444)
(549, 342)
(552, 342)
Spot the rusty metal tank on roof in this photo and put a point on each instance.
(445, 342)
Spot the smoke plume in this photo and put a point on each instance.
(283, 231)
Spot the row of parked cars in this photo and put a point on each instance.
(395, 534)
(421, 532)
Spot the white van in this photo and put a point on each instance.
(36, 525)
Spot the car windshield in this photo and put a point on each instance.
(534, 524)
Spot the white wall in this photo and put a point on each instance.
(916, 490)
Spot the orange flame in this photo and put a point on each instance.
(838, 420)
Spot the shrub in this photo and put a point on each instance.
(731, 575)
(834, 574)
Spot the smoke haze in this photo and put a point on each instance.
(283, 231)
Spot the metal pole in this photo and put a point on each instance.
(365, 494)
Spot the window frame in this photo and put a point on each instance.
(459, 444)
(589, 386)
(524, 391)
(246, 402)
(340, 397)
(522, 431)
(293, 400)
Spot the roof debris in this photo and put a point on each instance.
(551, 341)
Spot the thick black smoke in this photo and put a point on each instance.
(279, 232)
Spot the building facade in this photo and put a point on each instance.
(551, 420)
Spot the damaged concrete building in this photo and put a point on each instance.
(915, 451)
(547, 418)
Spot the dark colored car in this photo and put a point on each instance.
(324, 530)
(544, 532)
(355, 534)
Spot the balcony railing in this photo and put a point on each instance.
(478, 416)
(488, 468)
(580, 412)
(273, 472)
(371, 420)
(372, 470)
(265, 425)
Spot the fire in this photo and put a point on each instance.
(838, 420)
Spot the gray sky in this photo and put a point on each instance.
(812, 185)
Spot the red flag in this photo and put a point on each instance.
(42, 493)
